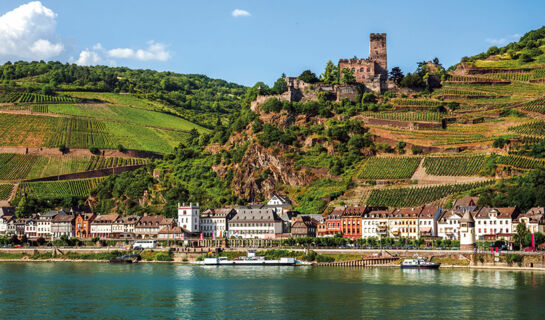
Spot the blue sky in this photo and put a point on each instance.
(266, 39)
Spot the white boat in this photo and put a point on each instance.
(251, 260)
(419, 263)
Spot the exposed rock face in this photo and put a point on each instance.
(253, 181)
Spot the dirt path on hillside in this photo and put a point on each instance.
(423, 178)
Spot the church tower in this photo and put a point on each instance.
(467, 232)
(377, 53)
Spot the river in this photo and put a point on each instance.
(144, 291)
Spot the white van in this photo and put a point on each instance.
(144, 244)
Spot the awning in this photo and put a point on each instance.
(425, 229)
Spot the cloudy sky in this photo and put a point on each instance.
(248, 41)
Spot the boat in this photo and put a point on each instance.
(250, 260)
(419, 263)
(128, 258)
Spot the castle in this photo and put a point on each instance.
(373, 71)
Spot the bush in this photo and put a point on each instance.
(163, 257)
(121, 148)
(311, 256)
(514, 258)
(64, 149)
(322, 258)
(94, 150)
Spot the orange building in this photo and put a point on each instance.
(83, 224)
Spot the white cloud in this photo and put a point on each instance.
(240, 13)
(28, 32)
(154, 51)
(88, 58)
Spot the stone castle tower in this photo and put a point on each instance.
(467, 232)
(378, 53)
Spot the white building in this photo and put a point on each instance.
(43, 223)
(467, 231)
(189, 217)
(255, 223)
(494, 221)
(30, 228)
(375, 224)
(214, 222)
(279, 203)
(101, 226)
(448, 225)
(62, 224)
(428, 221)
(534, 220)
(124, 225)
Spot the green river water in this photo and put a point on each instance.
(153, 291)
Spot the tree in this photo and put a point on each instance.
(368, 97)
(308, 76)
(525, 57)
(279, 86)
(47, 90)
(521, 234)
(331, 73)
(396, 75)
(413, 80)
(348, 76)
(64, 149)
(94, 150)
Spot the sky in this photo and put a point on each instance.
(256, 40)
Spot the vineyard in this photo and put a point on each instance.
(110, 162)
(15, 166)
(81, 133)
(389, 168)
(536, 128)
(521, 162)
(464, 93)
(454, 165)
(25, 97)
(475, 79)
(416, 102)
(537, 105)
(58, 189)
(5, 191)
(405, 116)
(415, 196)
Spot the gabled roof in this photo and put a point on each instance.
(407, 212)
(105, 219)
(127, 219)
(466, 201)
(428, 212)
(468, 217)
(7, 211)
(173, 230)
(450, 213)
(354, 211)
(502, 213)
(63, 218)
(256, 215)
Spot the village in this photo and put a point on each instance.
(275, 220)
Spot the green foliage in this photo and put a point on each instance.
(308, 77)
(389, 168)
(347, 76)
(331, 73)
(279, 86)
(314, 198)
(413, 80)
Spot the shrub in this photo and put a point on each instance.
(121, 148)
(322, 258)
(64, 149)
(163, 257)
(514, 258)
(94, 150)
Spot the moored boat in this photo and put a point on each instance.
(128, 258)
(419, 263)
(250, 260)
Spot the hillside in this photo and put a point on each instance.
(476, 129)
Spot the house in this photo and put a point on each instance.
(83, 224)
(43, 223)
(448, 224)
(427, 224)
(534, 220)
(281, 204)
(173, 232)
(404, 222)
(304, 226)
(466, 203)
(101, 226)
(189, 217)
(149, 226)
(62, 224)
(214, 222)
(255, 223)
(6, 215)
(7, 211)
(30, 227)
(123, 227)
(374, 224)
(331, 224)
(492, 221)
(20, 225)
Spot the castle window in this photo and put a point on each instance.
(361, 69)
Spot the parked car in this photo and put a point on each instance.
(528, 249)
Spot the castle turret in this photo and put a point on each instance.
(377, 52)
(189, 217)
(467, 232)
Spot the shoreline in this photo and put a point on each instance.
(501, 268)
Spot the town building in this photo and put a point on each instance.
(534, 220)
(494, 221)
(62, 224)
(123, 227)
(173, 232)
(448, 224)
(30, 227)
(281, 204)
(83, 224)
(101, 226)
(331, 224)
(467, 231)
(375, 224)
(304, 226)
(189, 217)
(6, 215)
(43, 223)
(466, 203)
(428, 221)
(261, 223)
(351, 221)
(215, 222)
(149, 226)
(404, 222)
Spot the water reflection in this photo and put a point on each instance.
(90, 291)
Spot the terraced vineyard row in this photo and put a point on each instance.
(414, 196)
(416, 102)
(25, 97)
(405, 116)
(521, 162)
(5, 191)
(81, 133)
(42, 108)
(389, 168)
(475, 79)
(454, 165)
(537, 105)
(15, 166)
(464, 92)
(110, 162)
(536, 128)
(59, 189)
